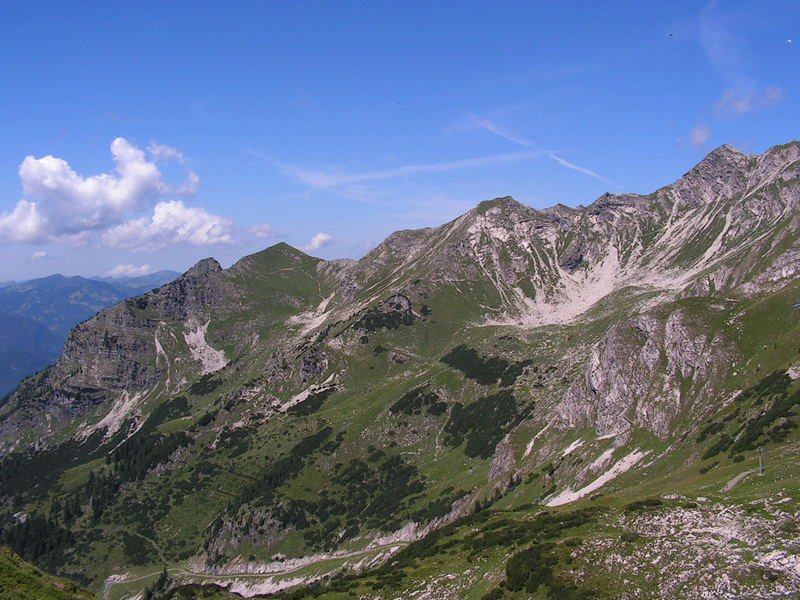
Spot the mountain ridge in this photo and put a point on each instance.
(331, 413)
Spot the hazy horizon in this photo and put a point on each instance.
(139, 140)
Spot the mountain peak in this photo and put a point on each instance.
(724, 157)
(204, 267)
(505, 203)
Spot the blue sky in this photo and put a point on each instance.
(148, 136)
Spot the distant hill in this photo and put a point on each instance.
(25, 347)
(37, 315)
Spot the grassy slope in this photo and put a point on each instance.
(164, 519)
(20, 580)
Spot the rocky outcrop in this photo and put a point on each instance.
(643, 372)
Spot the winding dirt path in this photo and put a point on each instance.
(109, 584)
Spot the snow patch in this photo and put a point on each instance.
(159, 348)
(529, 447)
(120, 410)
(608, 436)
(619, 468)
(579, 293)
(572, 447)
(210, 359)
(312, 319)
(601, 460)
(312, 389)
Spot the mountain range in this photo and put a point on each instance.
(564, 403)
(37, 315)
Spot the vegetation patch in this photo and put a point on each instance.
(529, 538)
(205, 385)
(38, 539)
(482, 424)
(484, 370)
(275, 474)
(141, 453)
(171, 409)
(772, 415)
(418, 400)
(311, 404)
(375, 319)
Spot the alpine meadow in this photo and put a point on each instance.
(352, 300)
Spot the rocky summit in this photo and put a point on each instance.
(569, 403)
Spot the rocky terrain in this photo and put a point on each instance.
(557, 402)
(37, 315)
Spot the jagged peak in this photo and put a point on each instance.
(727, 150)
(720, 159)
(783, 154)
(204, 267)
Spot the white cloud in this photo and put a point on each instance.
(129, 271)
(264, 231)
(172, 222)
(726, 50)
(38, 255)
(735, 102)
(323, 179)
(165, 153)
(496, 129)
(319, 240)
(575, 167)
(61, 205)
(700, 135)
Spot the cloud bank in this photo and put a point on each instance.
(172, 222)
(59, 205)
(129, 271)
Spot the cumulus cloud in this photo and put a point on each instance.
(264, 231)
(700, 135)
(61, 205)
(129, 271)
(39, 255)
(172, 222)
(165, 153)
(317, 241)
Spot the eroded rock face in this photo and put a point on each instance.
(729, 227)
(641, 373)
(117, 352)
